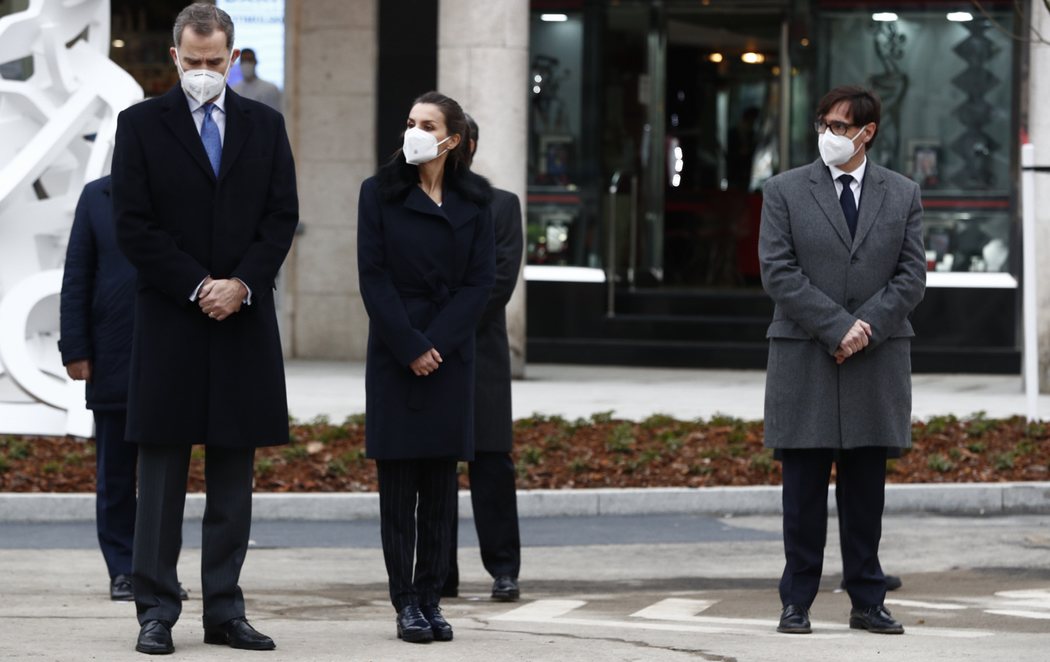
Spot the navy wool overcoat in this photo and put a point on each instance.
(195, 380)
(425, 275)
(98, 300)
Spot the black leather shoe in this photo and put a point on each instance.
(875, 619)
(441, 628)
(121, 589)
(505, 589)
(183, 595)
(794, 620)
(237, 633)
(413, 627)
(893, 582)
(155, 639)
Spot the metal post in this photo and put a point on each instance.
(610, 248)
(1028, 243)
(632, 247)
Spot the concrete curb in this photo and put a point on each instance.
(949, 499)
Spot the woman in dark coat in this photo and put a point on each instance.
(426, 261)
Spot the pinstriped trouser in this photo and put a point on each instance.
(417, 509)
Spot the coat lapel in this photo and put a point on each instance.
(454, 209)
(823, 190)
(176, 115)
(872, 193)
(238, 126)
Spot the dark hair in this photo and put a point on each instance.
(204, 18)
(397, 176)
(249, 53)
(864, 106)
(472, 129)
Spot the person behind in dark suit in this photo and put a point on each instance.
(426, 261)
(492, 492)
(205, 202)
(842, 257)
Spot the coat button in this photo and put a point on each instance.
(854, 260)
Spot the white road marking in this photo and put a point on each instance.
(1019, 613)
(674, 609)
(553, 612)
(917, 604)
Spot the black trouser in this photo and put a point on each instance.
(417, 510)
(495, 504)
(224, 533)
(115, 461)
(860, 494)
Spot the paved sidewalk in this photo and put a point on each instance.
(337, 390)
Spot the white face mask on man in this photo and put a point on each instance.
(836, 150)
(420, 146)
(202, 84)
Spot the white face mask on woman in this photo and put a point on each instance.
(836, 150)
(420, 146)
(202, 84)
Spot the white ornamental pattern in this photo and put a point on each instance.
(56, 134)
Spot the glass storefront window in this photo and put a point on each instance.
(556, 235)
(946, 88)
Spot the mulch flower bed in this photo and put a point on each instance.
(600, 451)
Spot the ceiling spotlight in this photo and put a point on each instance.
(960, 16)
(715, 57)
(884, 17)
(118, 43)
(753, 58)
(554, 18)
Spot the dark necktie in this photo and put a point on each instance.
(849, 204)
(210, 138)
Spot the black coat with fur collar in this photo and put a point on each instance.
(425, 274)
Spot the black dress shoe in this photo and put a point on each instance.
(505, 589)
(237, 633)
(412, 626)
(893, 582)
(121, 589)
(875, 619)
(441, 628)
(794, 620)
(155, 639)
(183, 595)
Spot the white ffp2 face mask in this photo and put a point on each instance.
(836, 150)
(202, 84)
(420, 146)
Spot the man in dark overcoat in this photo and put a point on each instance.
(97, 305)
(492, 490)
(842, 256)
(205, 201)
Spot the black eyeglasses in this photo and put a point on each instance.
(837, 128)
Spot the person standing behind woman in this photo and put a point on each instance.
(426, 263)
(492, 491)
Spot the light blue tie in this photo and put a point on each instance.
(210, 138)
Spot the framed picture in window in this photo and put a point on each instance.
(925, 163)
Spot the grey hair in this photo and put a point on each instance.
(204, 18)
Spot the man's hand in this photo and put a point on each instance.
(219, 299)
(856, 339)
(79, 371)
(426, 364)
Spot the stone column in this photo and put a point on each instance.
(330, 110)
(483, 59)
(1039, 134)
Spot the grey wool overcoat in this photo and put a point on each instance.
(821, 281)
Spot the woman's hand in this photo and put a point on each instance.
(427, 363)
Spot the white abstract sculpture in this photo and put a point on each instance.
(46, 157)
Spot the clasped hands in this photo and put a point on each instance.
(856, 339)
(427, 363)
(218, 299)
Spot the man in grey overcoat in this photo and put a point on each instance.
(841, 252)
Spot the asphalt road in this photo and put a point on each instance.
(633, 588)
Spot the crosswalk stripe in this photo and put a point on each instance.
(674, 609)
(918, 604)
(1020, 613)
(553, 611)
